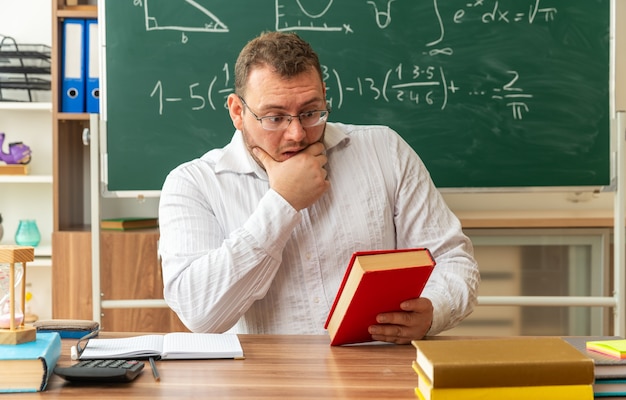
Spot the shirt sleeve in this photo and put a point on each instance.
(423, 219)
(210, 280)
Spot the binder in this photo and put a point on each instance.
(73, 66)
(92, 67)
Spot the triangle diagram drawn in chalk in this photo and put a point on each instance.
(160, 15)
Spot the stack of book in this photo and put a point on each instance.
(610, 371)
(537, 368)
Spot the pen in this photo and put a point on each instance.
(155, 371)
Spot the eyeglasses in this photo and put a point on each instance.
(279, 122)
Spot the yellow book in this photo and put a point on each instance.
(522, 361)
(425, 391)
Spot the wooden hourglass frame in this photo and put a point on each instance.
(17, 333)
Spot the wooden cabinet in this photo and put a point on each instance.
(71, 238)
(130, 270)
(71, 275)
(129, 267)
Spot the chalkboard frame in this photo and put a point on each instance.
(155, 192)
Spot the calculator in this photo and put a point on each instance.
(101, 371)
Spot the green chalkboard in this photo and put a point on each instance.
(491, 94)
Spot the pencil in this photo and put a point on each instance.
(155, 371)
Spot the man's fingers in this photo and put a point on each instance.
(262, 156)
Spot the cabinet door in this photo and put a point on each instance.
(71, 275)
(130, 270)
(141, 320)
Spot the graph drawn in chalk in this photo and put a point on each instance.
(305, 15)
(162, 18)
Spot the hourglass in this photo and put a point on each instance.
(12, 304)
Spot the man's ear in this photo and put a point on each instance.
(235, 109)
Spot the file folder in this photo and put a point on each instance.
(92, 54)
(73, 66)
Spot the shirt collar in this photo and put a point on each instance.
(236, 158)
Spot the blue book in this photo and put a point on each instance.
(27, 367)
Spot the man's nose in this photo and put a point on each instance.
(295, 131)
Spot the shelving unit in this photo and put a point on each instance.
(128, 264)
(30, 196)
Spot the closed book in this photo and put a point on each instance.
(67, 328)
(375, 282)
(14, 169)
(129, 223)
(521, 361)
(26, 367)
(609, 387)
(425, 391)
(606, 367)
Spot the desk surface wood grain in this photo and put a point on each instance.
(275, 367)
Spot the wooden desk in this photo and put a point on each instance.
(276, 367)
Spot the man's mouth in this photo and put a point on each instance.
(291, 153)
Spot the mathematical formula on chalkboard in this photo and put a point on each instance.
(432, 90)
(425, 85)
(298, 16)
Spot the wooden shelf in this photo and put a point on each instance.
(73, 117)
(535, 219)
(82, 11)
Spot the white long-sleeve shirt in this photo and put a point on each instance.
(234, 252)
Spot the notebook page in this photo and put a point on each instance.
(184, 345)
(137, 346)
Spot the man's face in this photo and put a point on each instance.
(268, 94)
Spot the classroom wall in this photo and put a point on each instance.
(559, 202)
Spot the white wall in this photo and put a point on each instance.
(27, 21)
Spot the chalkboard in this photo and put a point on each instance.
(491, 94)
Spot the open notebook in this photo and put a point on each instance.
(171, 346)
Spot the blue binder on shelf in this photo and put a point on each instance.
(73, 66)
(92, 67)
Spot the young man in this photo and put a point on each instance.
(258, 234)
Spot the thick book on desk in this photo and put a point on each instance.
(26, 367)
(376, 282)
(171, 346)
(426, 391)
(122, 224)
(521, 361)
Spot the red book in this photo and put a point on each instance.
(375, 282)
